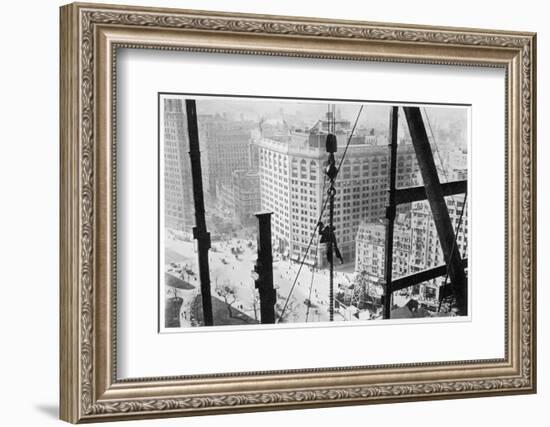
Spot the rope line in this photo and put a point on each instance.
(320, 218)
(316, 252)
(311, 284)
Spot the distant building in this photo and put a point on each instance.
(424, 249)
(178, 192)
(227, 148)
(370, 248)
(416, 245)
(246, 188)
(253, 156)
(458, 174)
(241, 195)
(371, 244)
(427, 251)
(457, 158)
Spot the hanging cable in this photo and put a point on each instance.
(316, 253)
(320, 217)
(311, 284)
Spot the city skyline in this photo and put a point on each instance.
(236, 109)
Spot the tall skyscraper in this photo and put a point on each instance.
(293, 185)
(178, 191)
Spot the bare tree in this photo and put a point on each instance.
(255, 303)
(229, 294)
(291, 313)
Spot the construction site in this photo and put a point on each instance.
(303, 220)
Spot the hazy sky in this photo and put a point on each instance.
(373, 115)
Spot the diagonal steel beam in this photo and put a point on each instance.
(435, 195)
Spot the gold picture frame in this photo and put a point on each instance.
(90, 36)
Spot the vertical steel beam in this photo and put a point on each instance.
(199, 231)
(438, 206)
(390, 213)
(264, 269)
(330, 250)
(330, 237)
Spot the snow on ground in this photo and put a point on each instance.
(226, 268)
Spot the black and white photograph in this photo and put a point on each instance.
(294, 211)
(278, 209)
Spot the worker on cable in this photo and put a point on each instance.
(327, 235)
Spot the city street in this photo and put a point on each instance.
(226, 268)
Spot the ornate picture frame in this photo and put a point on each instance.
(90, 37)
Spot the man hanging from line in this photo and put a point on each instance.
(327, 235)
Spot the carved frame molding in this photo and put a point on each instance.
(85, 396)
